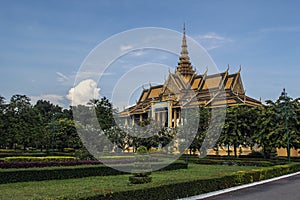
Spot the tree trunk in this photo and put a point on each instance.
(235, 152)
(228, 150)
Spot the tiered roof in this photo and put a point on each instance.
(215, 90)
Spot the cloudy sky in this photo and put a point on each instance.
(44, 43)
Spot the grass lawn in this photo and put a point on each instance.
(105, 184)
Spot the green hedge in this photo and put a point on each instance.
(39, 159)
(51, 173)
(7, 151)
(178, 189)
(234, 162)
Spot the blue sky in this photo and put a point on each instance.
(43, 43)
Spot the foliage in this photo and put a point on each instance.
(173, 185)
(237, 129)
(39, 159)
(142, 167)
(7, 151)
(49, 127)
(181, 189)
(234, 162)
(38, 174)
(66, 172)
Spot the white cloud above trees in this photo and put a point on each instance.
(83, 92)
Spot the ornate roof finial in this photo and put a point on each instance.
(227, 68)
(206, 70)
(184, 67)
(184, 52)
(240, 69)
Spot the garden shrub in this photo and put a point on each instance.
(13, 164)
(39, 159)
(7, 151)
(68, 149)
(66, 172)
(142, 167)
(233, 162)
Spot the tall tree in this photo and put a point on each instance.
(236, 130)
(3, 132)
(49, 114)
(21, 121)
(287, 125)
(266, 123)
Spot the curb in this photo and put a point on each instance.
(215, 193)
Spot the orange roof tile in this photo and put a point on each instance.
(144, 95)
(196, 83)
(155, 92)
(212, 82)
(229, 82)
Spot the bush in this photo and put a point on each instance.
(7, 151)
(142, 167)
(140, 179)
(39, 174)
(259, 163)
(51, 173)
(8, 165)
(253, 154)
(39, 159)
(69, 149)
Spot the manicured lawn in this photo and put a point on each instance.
(105, 184)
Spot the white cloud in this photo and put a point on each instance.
(53, 98)
(83, 92)
(212, 40)
(125, 47)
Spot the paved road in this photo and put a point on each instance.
(284, 189)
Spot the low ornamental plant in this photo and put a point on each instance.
(31, 164)
(39, 159)
(66, 172)
(142, 167)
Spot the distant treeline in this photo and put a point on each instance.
(45, 126)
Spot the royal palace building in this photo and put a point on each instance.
(164, 102)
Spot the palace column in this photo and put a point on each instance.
(170, 111)
(175, 118)
(141, 118)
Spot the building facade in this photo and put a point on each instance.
(163, 103)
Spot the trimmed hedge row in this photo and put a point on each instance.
(30, 164)
(7, 151)
(178, 189)
(39, 159)
(9, 165)
(34, 154)
(51, 173)
(234, 162)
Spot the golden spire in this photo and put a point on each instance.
(184, 67)
(184, 51)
